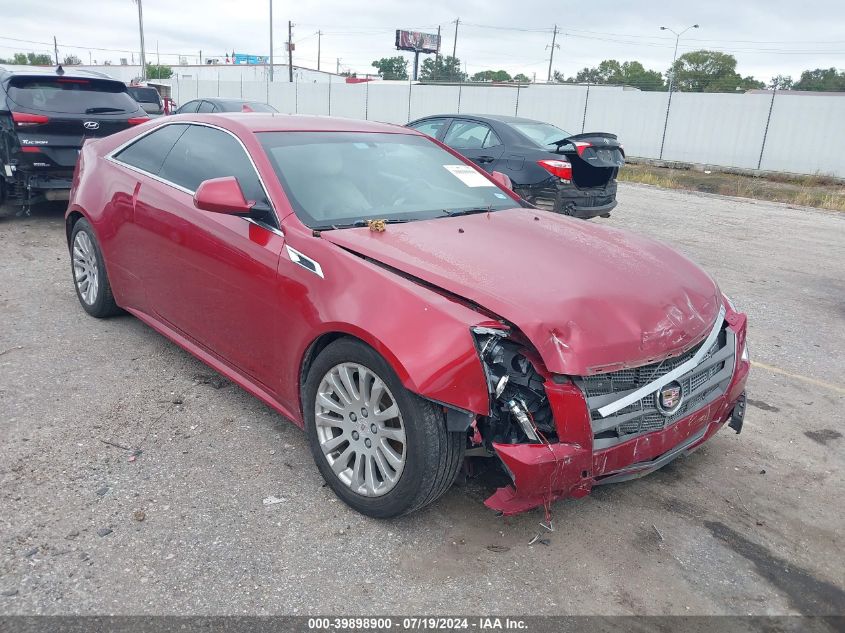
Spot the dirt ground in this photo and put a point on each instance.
(749, 524)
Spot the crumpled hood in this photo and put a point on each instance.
(589, 298)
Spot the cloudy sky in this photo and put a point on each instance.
(767, 37)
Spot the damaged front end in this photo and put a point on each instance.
(536, 424)
(552, 432)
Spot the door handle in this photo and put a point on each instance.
(486, 159)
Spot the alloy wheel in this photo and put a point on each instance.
(85, 270)
(360, 429)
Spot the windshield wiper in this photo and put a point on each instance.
(103, 109)
(468, 211)
(361, 223)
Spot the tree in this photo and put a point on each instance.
(392, 68)
(442, 69)
(491, 75)
(71, 60)
(710, 71)
(520, 78)
(159, 71)
(34, 59)
(781, 82)
(611, 71)
(28, 59)
(825, 79)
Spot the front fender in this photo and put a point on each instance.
(423, 334)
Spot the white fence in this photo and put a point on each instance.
(790, 133)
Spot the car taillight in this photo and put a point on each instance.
(137, 120)
(29, 149)
(580, 146)
(560, 168)
(24, 119)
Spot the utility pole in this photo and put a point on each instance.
(271, 40)
(337, 70)
(319, 38)
(455, 43)
(200, 57)
(290, 51)
(552, 55)
(56, 50)
(141, 29)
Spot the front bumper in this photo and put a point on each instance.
(543, 473)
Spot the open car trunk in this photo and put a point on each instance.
(595, 157)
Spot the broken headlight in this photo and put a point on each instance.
(519, 409)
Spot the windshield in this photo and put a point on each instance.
(71, 96)
(542, 133)
(336, 179)
(143, 95)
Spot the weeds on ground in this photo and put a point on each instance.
(823, 192)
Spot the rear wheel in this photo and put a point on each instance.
(89, 272)
(383, 450)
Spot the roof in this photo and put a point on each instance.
(50, 71)
(273, 122)
(501, 118)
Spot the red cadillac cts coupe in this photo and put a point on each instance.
(404, 307)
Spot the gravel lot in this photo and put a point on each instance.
(749, 524)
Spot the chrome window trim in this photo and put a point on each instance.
(112, 157)
(680, 370)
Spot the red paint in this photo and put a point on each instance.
(221, 195)
(587, 297)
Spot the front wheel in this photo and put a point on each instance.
(383, 450)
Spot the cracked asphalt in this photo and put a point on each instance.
(133, 479)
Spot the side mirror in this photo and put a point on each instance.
(221, 195)
(503, 180)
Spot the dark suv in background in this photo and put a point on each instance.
(46, 115)
(572, 174)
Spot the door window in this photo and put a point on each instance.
(189, 108)
(432, 127)
(205, 106)
(148, 153)
(470, 135)
(202, 153)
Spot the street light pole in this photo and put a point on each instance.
(671, 80)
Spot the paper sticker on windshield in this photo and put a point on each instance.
(468, 176)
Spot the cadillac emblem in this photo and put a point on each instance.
(669, 398)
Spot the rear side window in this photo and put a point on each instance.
(71, 96)
(143, 95)
(205, 106)
(202, 153)
(149, 152)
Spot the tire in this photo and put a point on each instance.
(431, 455)
(87, 258)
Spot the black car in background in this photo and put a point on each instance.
(215, 104)
(573, 174)
(45, 117)
(148, 98)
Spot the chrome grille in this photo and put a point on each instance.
(701, 385)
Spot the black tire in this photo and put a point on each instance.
(103, 304)
(433, 455)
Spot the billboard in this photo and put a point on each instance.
(417, 42)
(240, 58)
